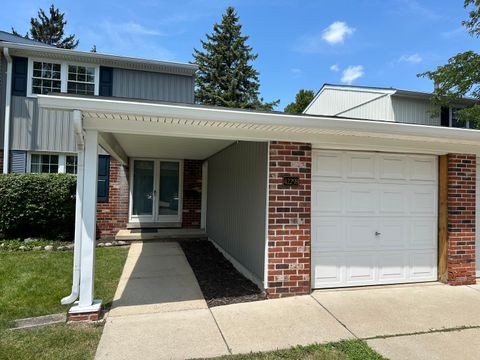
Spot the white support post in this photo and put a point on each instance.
(89, 210)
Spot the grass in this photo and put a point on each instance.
(343, 350)
(32, 284)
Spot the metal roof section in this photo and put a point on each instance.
(125, 62)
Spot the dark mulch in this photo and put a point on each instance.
(220, 282)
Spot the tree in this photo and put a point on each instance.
(94, 49)
(49, 29)
(225, 75)
(460, 77)
(302, 99)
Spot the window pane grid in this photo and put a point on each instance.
(81, 80)
(44, 163)
(46, 77)
(71, 164)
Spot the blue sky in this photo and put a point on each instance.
(301, 44)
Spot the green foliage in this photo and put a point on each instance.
(225, 76)
(302, 99)
(49, 29)
(460, 77)
(37, 205)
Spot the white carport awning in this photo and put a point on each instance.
(121, 116)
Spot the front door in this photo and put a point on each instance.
(156, 191)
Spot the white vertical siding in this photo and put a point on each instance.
(334, 101)
(236, 203)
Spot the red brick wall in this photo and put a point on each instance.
(113, 215)
(289, 257)
(192, 193)
(461, 219)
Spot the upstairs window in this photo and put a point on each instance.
(46, 77)
(81, 80)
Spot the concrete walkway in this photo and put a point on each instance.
(159, 313)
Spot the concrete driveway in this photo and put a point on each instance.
(159, 313)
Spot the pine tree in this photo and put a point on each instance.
(49, 29)
(225, 76)
(302, 99)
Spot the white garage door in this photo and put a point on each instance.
(374, 218)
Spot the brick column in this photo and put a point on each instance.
(461, 219)
(289, 256)
(113, 215)
(192, 193)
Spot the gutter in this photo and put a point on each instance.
(8, 101)
(78, 130)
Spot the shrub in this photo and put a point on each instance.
(37, 205)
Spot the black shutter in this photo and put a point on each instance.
(19, 76)
(106, 81)
(103, 178)
(445, 116)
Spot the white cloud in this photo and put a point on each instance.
(296, 71)
(411, 58)
(351, 74)
(337, 32)
(335, 67)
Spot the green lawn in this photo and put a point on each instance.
(344, 350)
(32, 284)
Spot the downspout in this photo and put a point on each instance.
(8, 100)
(78, 130)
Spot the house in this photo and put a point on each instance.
(317, 200)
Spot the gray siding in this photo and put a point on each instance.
(3, 84)
(414, 111)
(236, 203)
(40, 129)
(152, 86)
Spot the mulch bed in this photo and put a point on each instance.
(220, 282)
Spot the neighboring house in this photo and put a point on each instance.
(296, 201)
(388, 104)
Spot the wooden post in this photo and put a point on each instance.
(443, 218)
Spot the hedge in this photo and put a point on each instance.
(37, 205)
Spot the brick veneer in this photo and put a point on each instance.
(289, 258)
(192, 193)
(113, 215)
(461, 219)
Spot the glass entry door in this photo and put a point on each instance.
(156, 194)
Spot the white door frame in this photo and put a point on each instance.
(155, 217)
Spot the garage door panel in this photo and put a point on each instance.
(423, 265)
(423, 201)
(393, 267)
(328, 164)
(377, 222)
(360, 268)
(328, 199)
(330, 234)
(326, 272)
(360, 166)
(423, 234)
(423, 169)
(361, 199)
(393, 168)
(392, 235)
(393, 201)
(360, 233)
